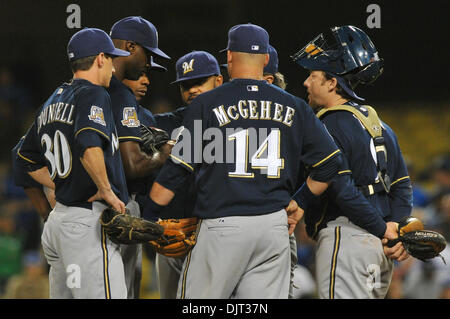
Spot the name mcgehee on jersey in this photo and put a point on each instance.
(254, 110)
(55, 112)
(214, 151)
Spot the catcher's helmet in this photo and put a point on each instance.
(348, 54)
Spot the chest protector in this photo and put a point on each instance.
(372, 124)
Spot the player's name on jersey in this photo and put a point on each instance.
(56, 112)
(254, 110)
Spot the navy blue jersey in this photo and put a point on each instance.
(77, 115)
(170, 121)
(182, 204)
(125, 110)
(251, 167)
(20, 173)
(145, 116)
(359, 151)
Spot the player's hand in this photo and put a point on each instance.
(111, 198)
(295, 214)
(398, 252)
(165, 150)
(391, 230)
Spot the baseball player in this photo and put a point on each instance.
(74, 135)
(271, 73)
(139, 37)
(351, 261)
(242, 248)
(140, 88)
(196, 72)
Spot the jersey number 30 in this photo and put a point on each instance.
(57, 152)
(272, 163)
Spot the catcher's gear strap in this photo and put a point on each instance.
(372, 123)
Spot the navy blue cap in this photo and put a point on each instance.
(139, 30)
(248, 38)
(196, 64)
(91, 42)
(272, 66)
(156, 66)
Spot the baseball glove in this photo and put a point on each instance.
(127, 229)
(421, 244)
(179, 237)
(408, 224)
(153, 138)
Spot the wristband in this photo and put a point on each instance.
(304, 197)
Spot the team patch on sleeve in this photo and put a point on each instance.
(130, 118)
(97, 115)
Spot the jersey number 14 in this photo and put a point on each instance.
(271, 163)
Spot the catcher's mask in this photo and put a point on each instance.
(347, 54)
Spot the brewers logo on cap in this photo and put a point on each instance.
(188, 67)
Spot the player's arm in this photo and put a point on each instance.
(356, 207)
(343, 190)
(32, 188)
(169, 181)
(176, 171)
(94, 163)
(321, 154)
(42, 176)
(400, 194)
(136, 163)
(39, 201)
(91, 138)
(28, 154)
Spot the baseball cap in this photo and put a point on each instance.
(248, 38)
(139, 30)
(90, 42)
(155, 66)
(272, 66)
(196, 64)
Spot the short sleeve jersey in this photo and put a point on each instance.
(245, 141)
(19, 171)
(76, 116)
(125, 110)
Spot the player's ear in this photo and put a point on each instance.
(269, 78)
(332, 84)
(100, 60)
(218, 81)
(130, 46)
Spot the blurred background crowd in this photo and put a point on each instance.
(415, 105)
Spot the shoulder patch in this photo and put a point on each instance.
(97, 115)
(130, 118)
